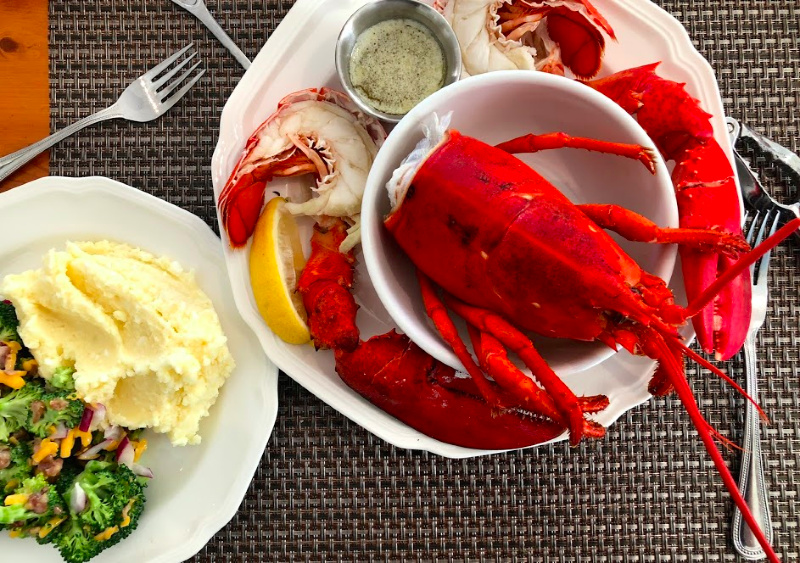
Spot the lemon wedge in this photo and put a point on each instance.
(276, 260)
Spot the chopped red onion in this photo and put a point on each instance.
(92, 452)
(113, 433)
(99, 417)
(86, 419)
(142, 471)
(125, 452)
(61, 432)
(77, 500)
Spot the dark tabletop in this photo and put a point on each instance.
(326, 488)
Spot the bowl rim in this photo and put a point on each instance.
(413, 122)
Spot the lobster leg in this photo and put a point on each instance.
(505, 332)
(438, 314)
(635, 227)
(534, 143)
(494, 360)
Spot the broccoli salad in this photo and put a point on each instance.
(67, 477)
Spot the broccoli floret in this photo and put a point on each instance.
(60, 407)
(75, 542)
(42, 504)
(19, 467)
(15, 408)
(8, 323)
(115, 501)
(62, 378)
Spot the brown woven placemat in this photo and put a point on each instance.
(326, 488)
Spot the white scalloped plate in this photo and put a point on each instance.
(299, 55)
(196, 489)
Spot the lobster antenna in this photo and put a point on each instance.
(739, 266)
(704, 431)
(719, 373)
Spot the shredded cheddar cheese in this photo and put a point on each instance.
(46, 448)
(107, 533)
(13, 379)
(67, 444)
(11, 485)
(50, 526)
(126, 519)
(139, 449)
(21, 498)
(15, 533)
(86, 437)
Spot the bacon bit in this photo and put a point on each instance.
(37, 502)
(51, 466)
(11, 500)
(46, 448)
(12, 379)
(107, 533)
(67, 444)
(37, 411)
(5, 457)
(58, 404)
(50, 526)
(139, 449)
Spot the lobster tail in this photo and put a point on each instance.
(325, 286)
(396, 375)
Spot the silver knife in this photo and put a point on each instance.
(752, 190)
(198, 9)
(777, 152)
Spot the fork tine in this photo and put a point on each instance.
(159, 68)
(163, 80)
(180, 93)
(751, 231)
(170, 88)
(760, 273)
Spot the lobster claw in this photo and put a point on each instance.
(721, 326)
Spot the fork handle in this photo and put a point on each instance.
(751, 479)
(200, 11)
(12, 162)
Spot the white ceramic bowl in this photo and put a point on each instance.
(495, 107)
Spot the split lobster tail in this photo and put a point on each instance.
(706, 193)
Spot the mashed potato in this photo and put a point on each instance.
(144, 339)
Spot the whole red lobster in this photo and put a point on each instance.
(502, 272)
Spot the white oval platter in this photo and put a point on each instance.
(299, 55)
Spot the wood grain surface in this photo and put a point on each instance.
(24, 83)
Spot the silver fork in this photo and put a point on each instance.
(146, 98)
(751, 479)
(199, 10)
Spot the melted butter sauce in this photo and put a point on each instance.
(396, 64)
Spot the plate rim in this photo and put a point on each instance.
(203, 530)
